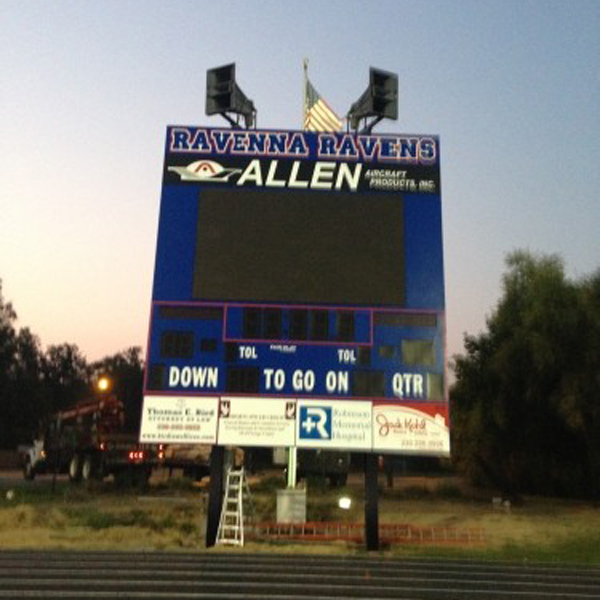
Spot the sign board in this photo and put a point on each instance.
(181, 420)
(299, 272)
(410, 429)
(256, 422)
(334, 424)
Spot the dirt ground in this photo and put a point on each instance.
(170, 516)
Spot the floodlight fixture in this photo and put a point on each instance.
(224, 97)
(104, 384)
(345, 502)
(378, 102)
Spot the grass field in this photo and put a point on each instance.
(172, 516)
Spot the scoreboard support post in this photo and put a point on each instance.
(371, 503)
(215, 497)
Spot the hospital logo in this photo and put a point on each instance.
(315, 423)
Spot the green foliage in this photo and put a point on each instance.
(126, 371)
(66, 377)
(97, 519)
(527, 395)
(269, 484)
(444, 491)
(21, 376)
(575, 550)
(35, 384)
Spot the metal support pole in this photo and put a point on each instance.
(292, 467)
(371, 503)
(215, 497)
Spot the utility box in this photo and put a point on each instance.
(291, 506)
(280, 456)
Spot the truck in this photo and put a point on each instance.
(88, 442)
(192, 459)
(326, 464)
(330, 464)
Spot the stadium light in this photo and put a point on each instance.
(103, 384)
(224, 97)
(345, 502)
(379, 101)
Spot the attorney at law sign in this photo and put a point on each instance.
(179, 420)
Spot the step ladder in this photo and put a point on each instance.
(231, 523)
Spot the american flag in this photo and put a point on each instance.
(318, 116)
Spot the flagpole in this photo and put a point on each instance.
(305, 89)
(292, 463)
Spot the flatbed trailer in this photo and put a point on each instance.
(88, 442)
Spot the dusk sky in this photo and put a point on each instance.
(87, 89)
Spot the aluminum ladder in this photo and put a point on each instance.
(231, 523)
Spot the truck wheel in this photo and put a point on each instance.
(75, 468)
(28, 470)
(89, 471)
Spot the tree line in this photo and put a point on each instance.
(526, 402)
(36, 383)
(525, 405)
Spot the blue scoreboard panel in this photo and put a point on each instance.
(298, 293)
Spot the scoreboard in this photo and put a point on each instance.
(298, 295)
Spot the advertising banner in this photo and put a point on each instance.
(334, 425)
(179, 420)
(256, 422)
(416, 429)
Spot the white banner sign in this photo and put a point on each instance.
(256, 422)
(305, 423)
(179, 420)
(338, 424)
(409, 430)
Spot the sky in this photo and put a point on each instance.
(512, 87)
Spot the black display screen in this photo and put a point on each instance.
(300, 247)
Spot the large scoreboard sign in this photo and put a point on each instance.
(298, 293)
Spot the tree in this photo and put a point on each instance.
(28, 386)
(20, 379)
(578, 400)
(36, 384)
(524, 385)
(7, 351)
(66, 377)
(126, 372)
